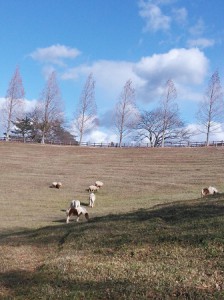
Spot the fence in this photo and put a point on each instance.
(148, 145)
(123, 145)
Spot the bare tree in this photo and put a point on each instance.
(150, 127)
(126, 113)
(49, 109)
(211, 108)
(13, 105)
(85, 114)
(168, 106)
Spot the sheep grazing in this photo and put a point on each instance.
(209, 191)
(99, 184)
(93, 188)
(56, 185)
(76, 212)
(204, 192)
(92, 199)
(75, 204)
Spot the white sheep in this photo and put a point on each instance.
(75, 203)
(212, 190)
(208, 191)
(93, 188)
(92, 199)
(76, 212)
(99, 184)
(56, 185)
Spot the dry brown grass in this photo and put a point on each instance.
(134, 178)
(172, 246)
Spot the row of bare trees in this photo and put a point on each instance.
(155, 126)
(164, 123)
(44, 121)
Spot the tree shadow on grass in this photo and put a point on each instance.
(177, 212)
(191, 222)
(184, 223)
(195, 222)
(38, 284)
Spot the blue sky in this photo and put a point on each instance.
(147, 41)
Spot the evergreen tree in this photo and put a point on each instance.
(23, 127)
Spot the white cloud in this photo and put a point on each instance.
(198, 29)
(200, 135)
(54, 54)
(2, 101)
(153, 16)
(186, 67)
(99, 136)
(109, 72)
(201, 43)
(110, 76)
(188, 93)
(180, 15)
(47, 70)
(28, 104)
(164, 1)
(105, 135)
(183, 66)
(90, 124)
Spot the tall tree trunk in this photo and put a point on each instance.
(80, 139)
(207, 134)
(43, 138)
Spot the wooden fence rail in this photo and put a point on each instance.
(123, 145)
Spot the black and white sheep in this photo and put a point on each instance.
(209, 191)
(76, 212)
(56, 185)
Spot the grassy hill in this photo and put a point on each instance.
(150, 235)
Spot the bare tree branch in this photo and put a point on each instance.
(13, 106)
(211, 109)
(168, 106)
(85, 115)
(49, 109)
(126, 113)
(150, 127)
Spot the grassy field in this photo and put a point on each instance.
(150, 235)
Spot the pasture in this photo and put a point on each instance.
(150, 235)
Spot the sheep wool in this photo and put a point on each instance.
(93, 188)
(92, 199)
(56, 185)
(76, 212)
(99, 184)
(75, 203)
(209, 191)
